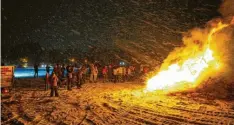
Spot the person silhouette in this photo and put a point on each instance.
(36, 71)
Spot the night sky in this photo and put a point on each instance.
(103, 30)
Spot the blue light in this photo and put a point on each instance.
(29, 72)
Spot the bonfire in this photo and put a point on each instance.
(186, 67)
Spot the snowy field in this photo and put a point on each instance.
(109, 103)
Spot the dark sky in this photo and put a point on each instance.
(83, 24)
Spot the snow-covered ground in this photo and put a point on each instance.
(109, 103)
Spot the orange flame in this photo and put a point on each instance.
(190, 70)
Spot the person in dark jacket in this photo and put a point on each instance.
(36, 71)
(63, 70)
(69, 76)
(47, 68)
(110, 73)
(54, 85)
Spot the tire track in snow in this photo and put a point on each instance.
(156, 117)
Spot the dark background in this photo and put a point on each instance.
(104, 30)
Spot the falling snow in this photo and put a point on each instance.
(151, 28)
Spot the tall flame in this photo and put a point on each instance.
(188, 72)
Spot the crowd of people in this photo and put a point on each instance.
(74, 76)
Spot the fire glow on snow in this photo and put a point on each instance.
(188, 72)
